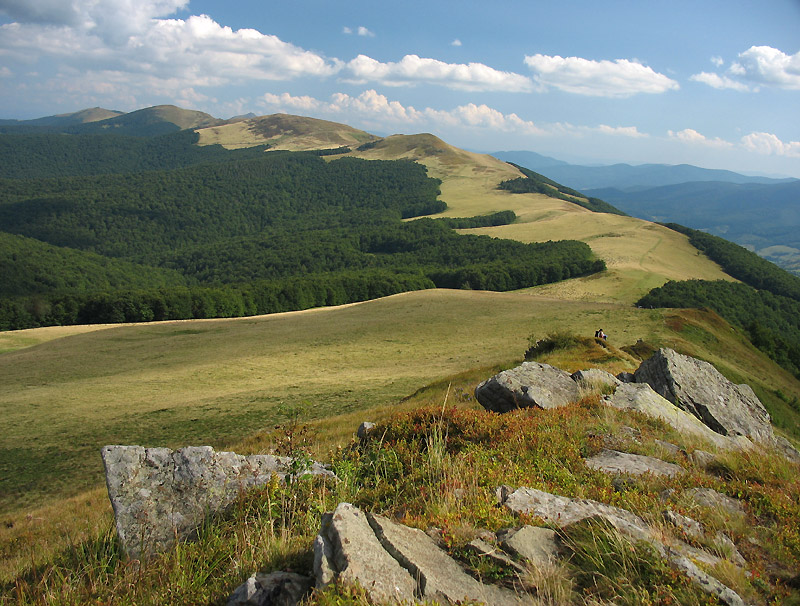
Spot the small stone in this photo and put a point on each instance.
(537, 545)
(613, 461)
(689, 527)
(364, 430)
(273, 589)
(486, 550)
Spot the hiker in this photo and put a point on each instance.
(599, 334)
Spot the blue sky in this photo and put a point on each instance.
(711, 83)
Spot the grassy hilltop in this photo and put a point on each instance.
(408, 362)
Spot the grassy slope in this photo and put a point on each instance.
(228, 382)
(223, 382)
(216, 381)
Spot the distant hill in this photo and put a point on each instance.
(529, 159)
(84, 116)
(763, 217)
(148, 122)
(624, 176)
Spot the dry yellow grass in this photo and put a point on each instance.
(284, 132)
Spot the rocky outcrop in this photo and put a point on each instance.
(641, 398)
(527, 385)
(613, 461)
(563, 512)
(698, 388)
(394, 563)
(159, 494)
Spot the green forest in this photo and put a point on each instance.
(103, 237)
(766, 305)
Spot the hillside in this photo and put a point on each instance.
(763, 217)
(220, 381)
(294, 229)
(638, 255)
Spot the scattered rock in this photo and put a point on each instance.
(727, 548)
(708, 497)
(701, 458)
(536, 545)
(698, 388)
(786, 448)
(563, 511)
(487, 550)
(394, 563)
(704, 581)
(273, 589)
(613, 461)
(668, 447)
(642, 398)
(364, 430)
(631, 433)
(351, 553)
(158, 494)
(531, 384)
(689, 527)
(594, 378)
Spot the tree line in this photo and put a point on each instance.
(534, 183)
(273, 232)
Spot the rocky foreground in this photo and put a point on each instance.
(160, 495)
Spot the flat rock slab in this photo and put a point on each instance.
(527, 385)
(641, 398)
(357, 556)
(439, 576)
(708, 497)
(698, 388)
(563, 511)
(395, 564)
(613, 461)
(159, 494)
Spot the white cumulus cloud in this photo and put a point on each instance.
(413, 69)
(127, 43)
(363, 31)
(692, 137)
(719, 82)
(770, 66)
(373, 108)
(456, 42)
(620, 78)
(770, 145)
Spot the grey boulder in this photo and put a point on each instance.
(159, 494)
(698, 388)
(529, 385)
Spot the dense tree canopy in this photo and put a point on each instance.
(229, 234)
